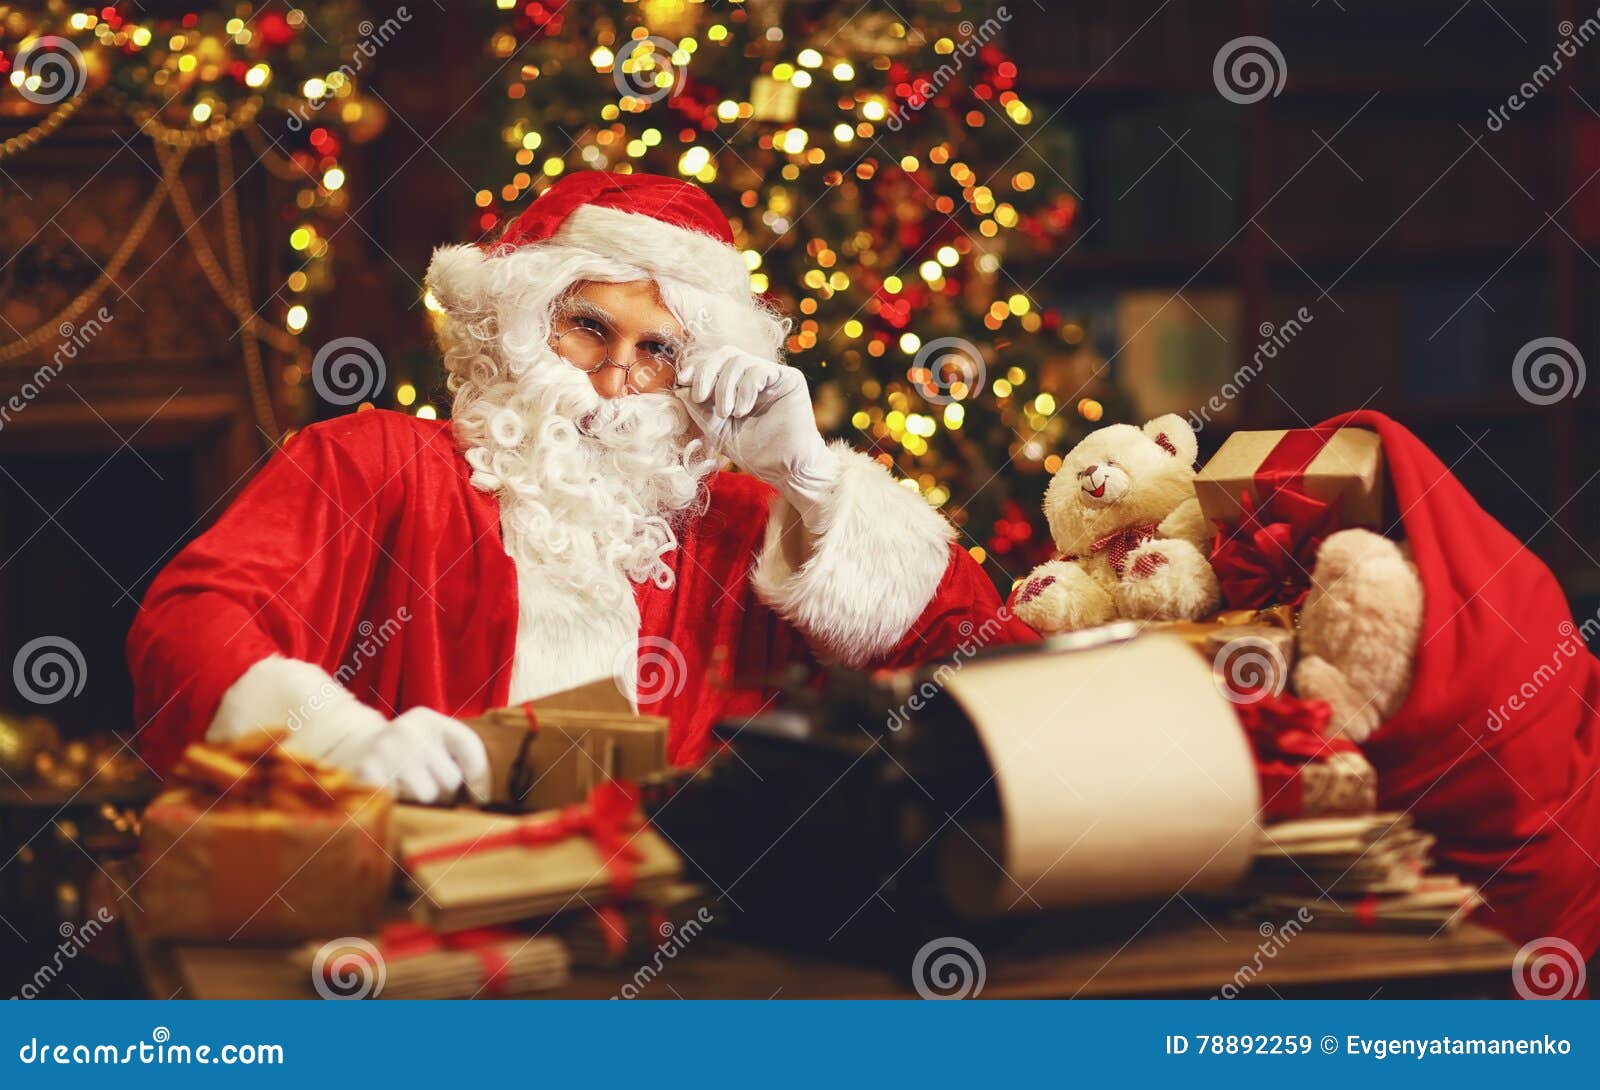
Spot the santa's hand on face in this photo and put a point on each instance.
(384, 576)
(759, 414)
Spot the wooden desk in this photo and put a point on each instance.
(1170, 959)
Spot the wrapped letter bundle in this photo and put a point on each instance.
(474, 869)
(409, 961)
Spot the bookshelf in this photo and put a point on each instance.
(1372, 189)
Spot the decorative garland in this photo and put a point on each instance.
(234, 290)
(45, 129)
(197, 79)
(90, 295)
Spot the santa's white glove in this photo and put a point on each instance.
(759, 414)
(420, 755)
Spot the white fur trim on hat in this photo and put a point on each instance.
(457, 273)
(456, 276)
(657, 247)
(875, 563)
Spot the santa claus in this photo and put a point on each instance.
(384, 575)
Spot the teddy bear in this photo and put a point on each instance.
(1133, 541)
(1359, 629)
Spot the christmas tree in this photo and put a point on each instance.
(880, 170)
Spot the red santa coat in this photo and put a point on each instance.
(363, 549)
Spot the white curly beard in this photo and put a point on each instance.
(591, 494)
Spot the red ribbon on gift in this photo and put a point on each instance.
(614, 927)
(404, 939)
(1367, 912)
(1285, 733)
(1267, 558)
(610, 817)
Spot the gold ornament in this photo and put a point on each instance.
(212, 57)
(668, 18)
(17, 748)
(364, 118)
(774, 100)
(24, 742)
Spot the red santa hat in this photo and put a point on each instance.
(662, 226)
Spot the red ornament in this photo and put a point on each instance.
(274, 30)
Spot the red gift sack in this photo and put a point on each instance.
(1497, 748)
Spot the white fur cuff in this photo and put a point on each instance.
(319, 713)
(875, 562)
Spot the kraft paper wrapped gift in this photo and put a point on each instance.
(1302, 772)
(1343, 467)
(254, 843)
(553, 752)
(473, 869)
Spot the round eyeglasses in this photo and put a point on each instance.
(586, 350)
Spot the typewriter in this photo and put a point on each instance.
(852, 817)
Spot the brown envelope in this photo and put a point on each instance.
(570, 742)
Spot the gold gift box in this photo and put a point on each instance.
(256, 844)
(1347, 471)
